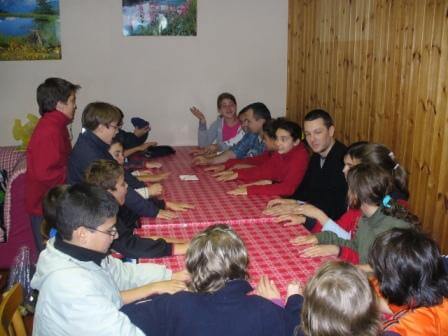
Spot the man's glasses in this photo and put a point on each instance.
(113, 232)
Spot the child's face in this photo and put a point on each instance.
(270, 143)
(349, 162)
(227, 108)
(244, 122)
(116, 150)
(284, 141)
(121, 189)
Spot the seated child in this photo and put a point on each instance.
(411, 275)
(369, 187)
(140, 169)
(338, 300)
(224, 132)
(217, 303)
(283, 171)
(48, 229)
(269, 129)
(317, 220)
(81, 287)
(109, 175)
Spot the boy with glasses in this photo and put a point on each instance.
(81, 287)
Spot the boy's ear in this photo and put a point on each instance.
(296, 142)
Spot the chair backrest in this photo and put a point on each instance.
(11, 322)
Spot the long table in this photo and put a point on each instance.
(213, 204)
(270, 252)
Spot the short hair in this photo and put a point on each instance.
(320, 114)
(83, 205)
(49, 206)
(270, 127)
(260, 111)
(117, 140)
(409, 268)
(225, 95)
(380, 155)
(104, 173)
(100, 113)
(52, 91)
(214, 257)
(338, 300)
(291, 127)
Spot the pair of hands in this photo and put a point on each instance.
(172, 208)
(267, 289)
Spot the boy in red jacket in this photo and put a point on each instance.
(49, 146)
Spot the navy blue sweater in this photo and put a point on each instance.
(89, 148)
(229, 311)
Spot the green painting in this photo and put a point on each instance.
(29, 30)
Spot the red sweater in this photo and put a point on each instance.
(251, 160)
(46, 158)
(285, 170)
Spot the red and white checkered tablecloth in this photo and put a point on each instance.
(270, 252)
(212, 203)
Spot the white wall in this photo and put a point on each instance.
(240, 47)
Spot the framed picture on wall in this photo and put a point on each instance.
(29, 30)
(159, 17)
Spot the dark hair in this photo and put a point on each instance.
(104, 173)
(118, 139)
(100, 113)
(225, 95)
(52, 91)
(291, 127)
(409, 268)
(270, 127)
(380, 155)
(214, 257)
(83, 205)
(320, 114)
(369, 184)
(49, 206)
(260, 111)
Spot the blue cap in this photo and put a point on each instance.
(139, 122)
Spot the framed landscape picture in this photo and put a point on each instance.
(29, 30)
(159, 17)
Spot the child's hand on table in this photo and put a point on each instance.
(153, 165)
(240, 191)
(267, 289)
(294, 287)
(227, 175)
(166, 214)
(280, 201)
(178, 206)
(215, 169)
(304, 240)
(320, 251)
(155, 189)
(290, 220)
(200, 161)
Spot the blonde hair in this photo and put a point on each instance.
(215, 256)
(339, 301)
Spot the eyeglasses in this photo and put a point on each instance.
(113, 232)
(116, 127)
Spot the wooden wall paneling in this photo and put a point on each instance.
(380, 68)
(423, 114)
(434, 204)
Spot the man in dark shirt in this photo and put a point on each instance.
(324, 183)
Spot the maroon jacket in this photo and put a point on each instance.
(46, 158)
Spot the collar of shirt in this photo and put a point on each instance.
(77, 252)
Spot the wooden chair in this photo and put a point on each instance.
(11, 322)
